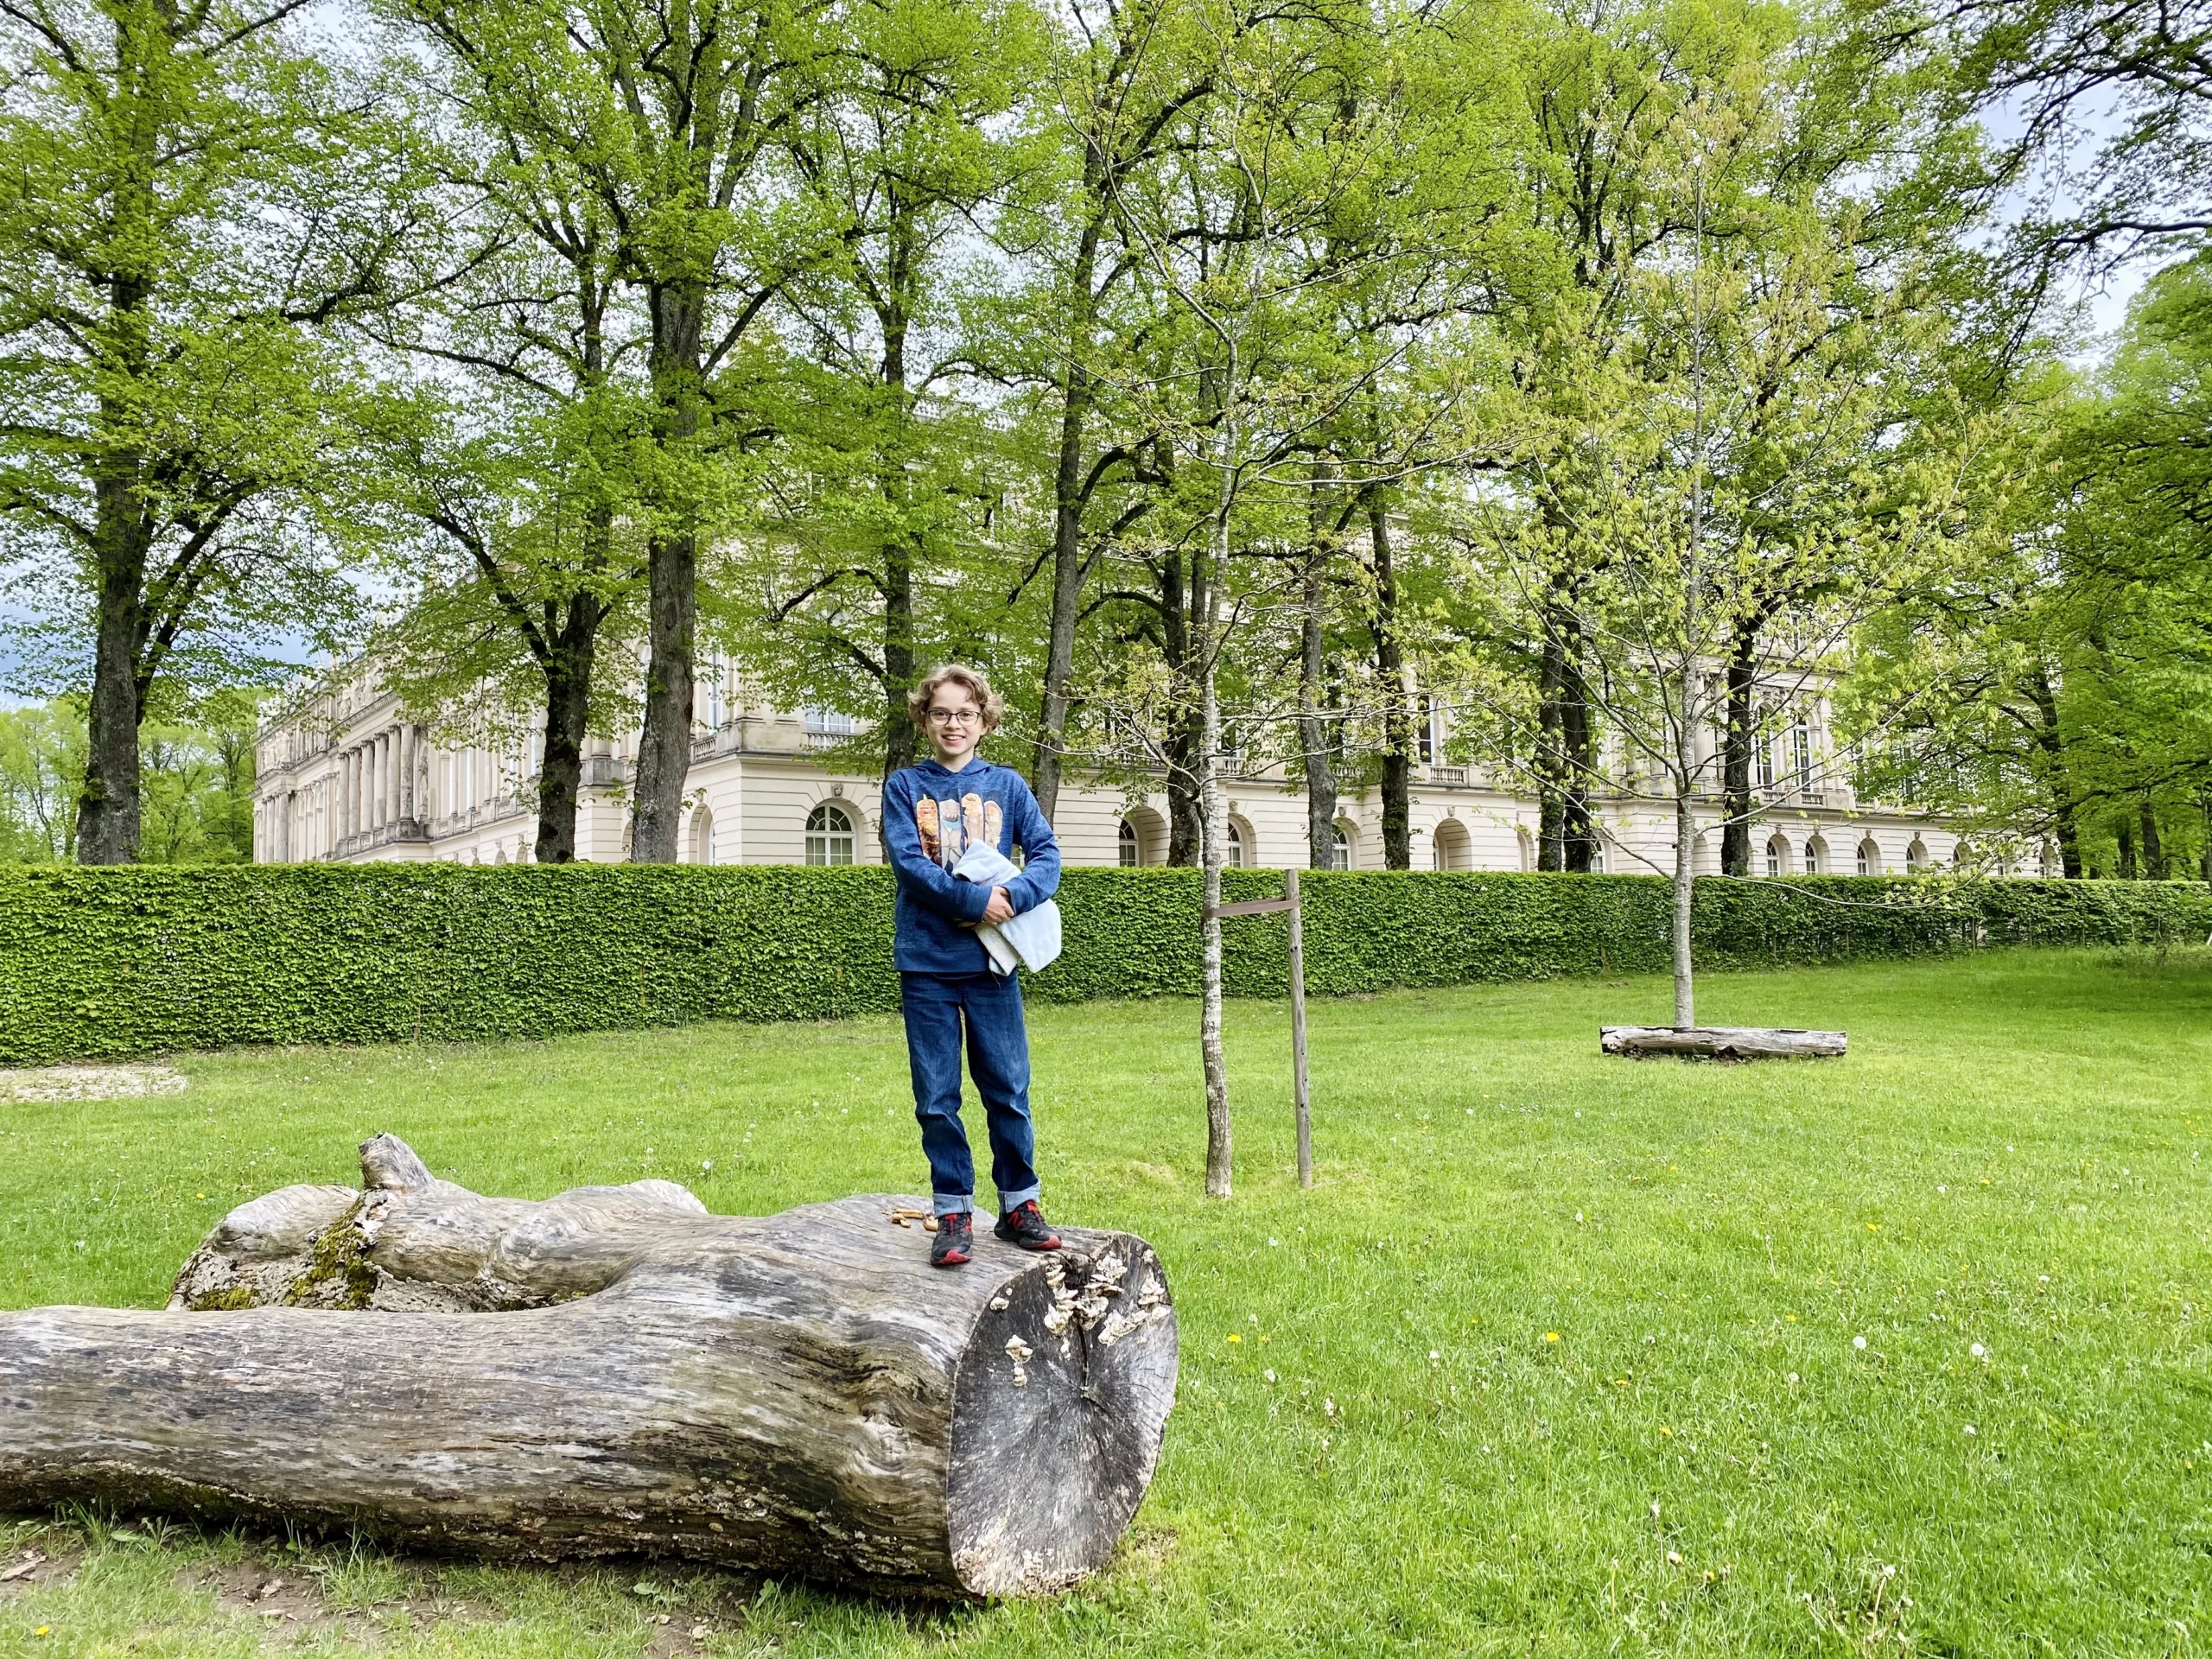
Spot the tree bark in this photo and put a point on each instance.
(2154, 850)
(1722, 1042)
(2050, 738)
(1214, 847)
(1314, 737)
(1070, 495)
(614, 1371)
(108, 808)
(1567, 837)
(573, 649)
(678, 311)
(1737, 740)
(1390, 671)
(1684, 892)
(1578, 833)
(1551, 793)
(1182, 597)
(2126, 834)
(899, 667)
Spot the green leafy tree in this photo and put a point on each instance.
(523, 461)
(188, 196)
(676, 118)
(893, 484)
(42, 770)
(1722, 422)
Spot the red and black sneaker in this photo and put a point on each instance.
(956, 1240)
(1024, 1224)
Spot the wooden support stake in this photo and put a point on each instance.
(1298, 1030)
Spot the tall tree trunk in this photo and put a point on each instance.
(574, 649)
(1551, 761)
(672, 584)
(1578, 833)
(2050, 741)
(2127, 870)
(1216, 840)
(1738, 742)
(2154, 850)
(899, 669)
(1181, 596)
(108, 802)
(1314, 736)
(2204, 849)
(1070, 496)
(1390, 670)
(1684, 893)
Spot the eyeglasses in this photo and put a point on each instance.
(957, 716)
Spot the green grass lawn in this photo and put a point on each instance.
(1904, 1352)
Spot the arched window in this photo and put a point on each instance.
(829, 835)
(1777, 856)
(1870, 858)
(1916, 857)
(1596, 858)
(1813, 857)
(702, 836)
(1339, 848)
(1127, 850)
(1450, 848)
(1233, 855)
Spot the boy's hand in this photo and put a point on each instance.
(1000, 909)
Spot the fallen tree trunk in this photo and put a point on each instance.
(616, 1371)
(1721, 1042)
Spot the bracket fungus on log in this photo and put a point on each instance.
(1722, 1042)
(615, 1372)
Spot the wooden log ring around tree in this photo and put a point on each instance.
(615, 1372)
(1722, 1042)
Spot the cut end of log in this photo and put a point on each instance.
(1059, 1407)
(1722, 1042)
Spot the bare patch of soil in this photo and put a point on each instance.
(89, 1081)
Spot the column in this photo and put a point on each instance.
(410, 758)
(342, 785)
(381, 761)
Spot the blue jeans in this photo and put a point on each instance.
(998, 1056)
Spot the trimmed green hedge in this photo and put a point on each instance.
(99, 963)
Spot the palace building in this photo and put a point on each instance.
(346, 775)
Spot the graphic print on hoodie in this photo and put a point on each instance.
(948, 828)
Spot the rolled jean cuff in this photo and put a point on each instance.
(1015, 1200)
(951, 1203)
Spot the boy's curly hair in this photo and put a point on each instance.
(969, 680)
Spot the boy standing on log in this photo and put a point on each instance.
(932, 812)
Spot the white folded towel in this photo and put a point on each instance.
(1032, 939)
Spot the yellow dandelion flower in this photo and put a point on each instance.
(1233, 1337)
(1551, 1336)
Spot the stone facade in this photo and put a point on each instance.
(349, 776)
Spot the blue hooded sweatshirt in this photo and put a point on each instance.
(931, 817)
